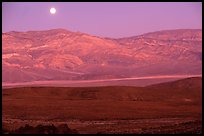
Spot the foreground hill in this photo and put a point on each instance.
(184, 90)
(172, 107)
(60, 54)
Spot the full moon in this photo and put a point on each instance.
(52, 10)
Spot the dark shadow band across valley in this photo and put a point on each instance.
(132, 81)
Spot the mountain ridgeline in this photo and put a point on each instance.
(60, 54)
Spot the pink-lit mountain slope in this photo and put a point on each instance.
(60, 54)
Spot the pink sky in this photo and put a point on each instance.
(106, 19)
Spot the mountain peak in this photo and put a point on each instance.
(59, 54)
(57, 30)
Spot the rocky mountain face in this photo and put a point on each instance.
(60, 54)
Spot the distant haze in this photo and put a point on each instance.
(102, 19)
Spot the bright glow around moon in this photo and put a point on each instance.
(52, 10)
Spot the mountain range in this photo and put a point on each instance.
(59, 54)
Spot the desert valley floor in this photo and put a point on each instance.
(171, 107)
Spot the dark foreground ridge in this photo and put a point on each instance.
(43, 129)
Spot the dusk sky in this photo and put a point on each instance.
(106, 19)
